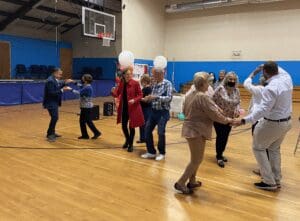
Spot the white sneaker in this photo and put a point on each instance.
(148, 155)
(160, 157)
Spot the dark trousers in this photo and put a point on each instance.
(222, 131)
(129, 135)
(159, 118)
(85, 119)
(146, 113)
(53, 112)
(252, 130)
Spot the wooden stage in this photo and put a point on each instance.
(97, 180)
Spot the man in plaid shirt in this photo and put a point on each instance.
(160, 97)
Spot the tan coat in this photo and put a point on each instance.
(200, 112)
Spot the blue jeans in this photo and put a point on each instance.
(159, 118)
(146, 113)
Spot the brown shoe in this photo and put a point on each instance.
(183, 189)
(194, 185)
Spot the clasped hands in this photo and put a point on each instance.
(236, 122)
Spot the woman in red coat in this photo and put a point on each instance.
(129, 110)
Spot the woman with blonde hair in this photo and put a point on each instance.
(227, 97)
(200, 112)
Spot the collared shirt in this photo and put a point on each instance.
(163, 91)
(228, 101)
(276, 99)
(256, 91)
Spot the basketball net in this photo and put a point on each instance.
(106, 38)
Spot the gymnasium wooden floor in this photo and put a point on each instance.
(97, 180)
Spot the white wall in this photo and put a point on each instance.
(265, 31)
(143, 27)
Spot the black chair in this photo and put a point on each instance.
(87, 70)
(35, 71)
(21, 71)
(43, 72)
(50, 70)
(97, 73)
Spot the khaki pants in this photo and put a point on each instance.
(269, 135)
(197, 147)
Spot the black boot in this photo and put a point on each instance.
(130, 148)
(125, 145)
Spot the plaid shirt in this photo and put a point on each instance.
(164, 92)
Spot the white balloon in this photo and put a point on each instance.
(126, 58)
(160, 62)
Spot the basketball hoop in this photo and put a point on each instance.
(97, 24)
(106, 38)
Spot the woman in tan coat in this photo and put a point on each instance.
(200, 112)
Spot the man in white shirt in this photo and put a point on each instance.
(275, 109)
(256, 92)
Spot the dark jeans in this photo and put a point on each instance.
(53, 112)
(129, 135)
(146, 113)
(85, 119)
(222, 131)
(159, 118)
(252, 130)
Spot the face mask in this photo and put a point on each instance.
(230, 84)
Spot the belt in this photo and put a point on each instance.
(280, 120)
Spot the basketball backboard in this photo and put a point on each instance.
(98, 24)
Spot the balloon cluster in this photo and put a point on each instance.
(160, 62)
(126, 59)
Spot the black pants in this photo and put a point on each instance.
(53, 112)
(85, 119)
(222, 131)
(129, 135)
(253, 127)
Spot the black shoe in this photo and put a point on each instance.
(96, 136)
(265, 186)
(57, 135)
(183, 189)
(221, 163)
(141, 141)
(225, 159)
(125, 145)
(51, 138)
(130, 148)
(83, 138)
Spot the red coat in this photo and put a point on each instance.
(136, 117)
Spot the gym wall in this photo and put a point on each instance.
(205, 39)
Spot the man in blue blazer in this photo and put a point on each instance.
(54, 88)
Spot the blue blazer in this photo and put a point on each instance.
(52, 93)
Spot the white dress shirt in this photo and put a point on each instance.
(256, 91)
(276, 101)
